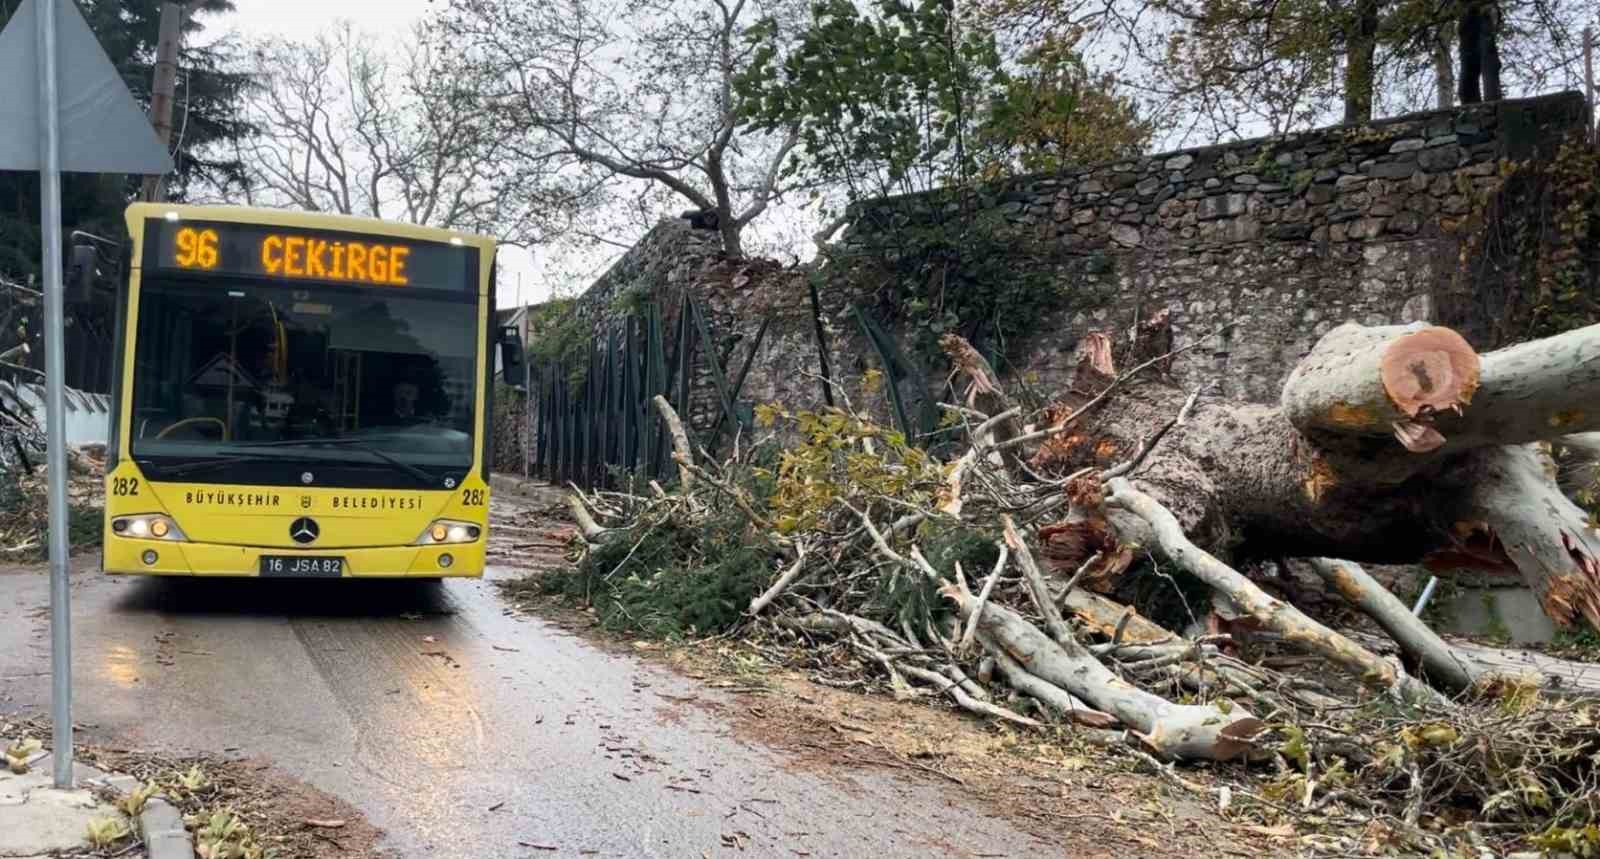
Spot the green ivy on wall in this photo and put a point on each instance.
(971, 273)
(1529, 259)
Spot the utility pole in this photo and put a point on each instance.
(163, 89)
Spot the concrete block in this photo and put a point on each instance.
(36, 818)
(164, 834)
(1512, 612)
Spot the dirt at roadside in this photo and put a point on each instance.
(293, 818)
(296, 818)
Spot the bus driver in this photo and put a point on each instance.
(405, 402)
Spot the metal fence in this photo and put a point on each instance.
(595, 420)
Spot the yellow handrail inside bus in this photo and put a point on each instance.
(218, 421)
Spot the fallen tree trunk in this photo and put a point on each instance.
(1270, 613)
(1321, 474)
(1169, 729)
(1512, 496)
(1377, 381)
(1554, 676)
(1533, 391)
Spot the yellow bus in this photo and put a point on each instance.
(301, 395)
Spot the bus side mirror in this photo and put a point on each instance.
(79, 280)
(511, 356)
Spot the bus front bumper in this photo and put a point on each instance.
(128, 556)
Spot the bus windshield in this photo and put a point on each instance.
(230, 370)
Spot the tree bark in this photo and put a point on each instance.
(1511, 491)
(1378, 381)
(1322, 474)
(1054, 698)
(1456, 667)
(1469, 29)
(1362, 48)
(1444, 71)
(1270, 613)
(1171, 730)
(1438, 661)
(732, 233)
(681, 452)
(1533, 391)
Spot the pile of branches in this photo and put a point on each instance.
(23, 490)
(944, 579)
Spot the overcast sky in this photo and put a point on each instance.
(303, 19)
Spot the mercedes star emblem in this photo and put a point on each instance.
(306, 477)
(303, 530)
(449, 483)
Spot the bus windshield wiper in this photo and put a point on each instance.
(358, 444)
(202, 464)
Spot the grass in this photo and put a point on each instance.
(664, 579)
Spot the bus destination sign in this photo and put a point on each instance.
(215, 247)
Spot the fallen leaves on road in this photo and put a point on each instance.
(224, 834)
(17, 754)
(107, 831)
(133, 802)
(324, 824)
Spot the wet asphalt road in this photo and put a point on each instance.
(338, 684)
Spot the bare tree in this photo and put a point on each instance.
(346, 128)
(1227, 70)
(619, 95)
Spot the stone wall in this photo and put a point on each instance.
(1284, 237)
(671, 260)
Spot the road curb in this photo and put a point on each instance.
(163, 831)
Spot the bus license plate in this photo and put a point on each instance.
(277, 565)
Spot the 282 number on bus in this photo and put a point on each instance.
(124, 486)
(472, 497)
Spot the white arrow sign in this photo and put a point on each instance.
(102, 128)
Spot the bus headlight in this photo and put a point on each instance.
(147, 526)
(449, 531)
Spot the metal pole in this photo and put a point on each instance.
(1427, 594)
(54, 401)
